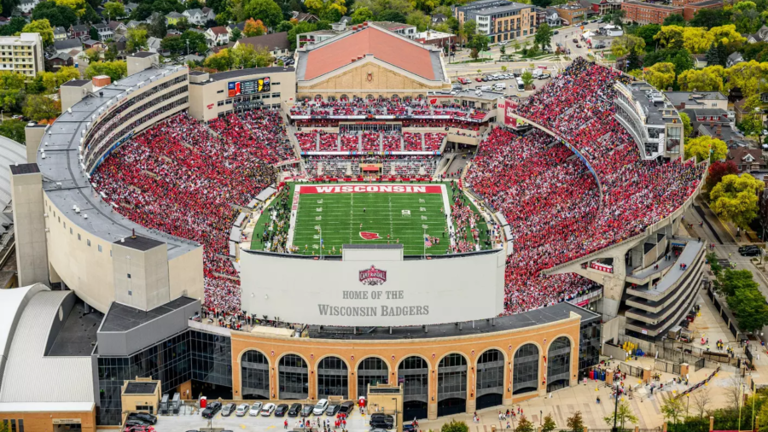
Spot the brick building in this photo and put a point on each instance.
(572, 13)
(649, 13)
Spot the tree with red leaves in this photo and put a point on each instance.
(718, 170)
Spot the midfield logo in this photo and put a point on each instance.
(373, 276)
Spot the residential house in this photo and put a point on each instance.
(60, 34)
(130, 7)
(552, 18)
(232, 27)
(90, 43)
(438, 19)
(173, 18)
(697, 100)
(747, 159)
(118, 28)
(217, 36)
(198, 16)
(714, 122)
(26, 6)
(121, 43)
(69, 45)
(276, 43)
(699, 61)
(209, 14)
(79, 31)
(601, 7)
(346, 20)
(105, 32)
(56, 61)
(132, 24)
(760, 36)
(734, 59)
(611, 30)
(572, 13)
(153, 44)
(304, 17)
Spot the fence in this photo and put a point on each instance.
(666, 366)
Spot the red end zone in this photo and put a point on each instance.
(370, 189)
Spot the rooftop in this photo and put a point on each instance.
(122, 318)
(656, 107)
(140, 387)
(75, 83)
(66, 185)
(653, 5)
(139, 243)
(532, 318)
(78, 335)
(143, 54)
(692, 98)
(224, 76)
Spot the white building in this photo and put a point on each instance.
(23, 54)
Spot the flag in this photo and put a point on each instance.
(427, 243)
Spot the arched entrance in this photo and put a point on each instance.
(490, 379)
(452, 385)
(525, 372)
(254, 375)
(372, 370)
(293, 378)
(332, 378)
(559, 364)
(413, 373)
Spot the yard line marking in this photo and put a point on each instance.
(391, 223)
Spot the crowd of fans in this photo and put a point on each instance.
(259, 132)
(403, 108)
(552, 201)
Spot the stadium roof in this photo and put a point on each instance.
(31, 380)
(319, 59)
(65, 183)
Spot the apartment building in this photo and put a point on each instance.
(572, 13)
(500, 20)
(650, 13)
(23, 54)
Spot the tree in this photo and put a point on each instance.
(755, 51)
(697, 39)
(383, 9)
(78, 6)
(137, 40)
(454, 426)
(672, 409)
(527, 78)
(549, 424)
(701, 398)
(361, 15)
(43, 27)
(717, 170)
(542, 3)
(709, 18)
(93, 55)
(480, 42)
(705, 147)
(728, 36)
(617, 16)
(747, 76)
(623, 415)
(687, 128)
(735, 199)
(750, 309)
(13, 129)
(543, 36)
(93, 33)
(221, 61)
(114, 10)
(16, 24)
(633, 61)
(158, 27)
(647, 33)
(468, 30)
(38, 107)
(236, 35)
(302, 27)
(674, 20)
(660, 75)
(110, 54)
(392, 15)
(671, 36)
(246, 56)
(419, 19)
(115, 70)
(732, 281)
(265, 10)
(623, 45)
(682, 61)
(575, 422)
(254, 28)
(708, 79)
(474, 53)
(525, 425)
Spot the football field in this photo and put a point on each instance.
(369, 214)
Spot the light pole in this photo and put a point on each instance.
(616, 410)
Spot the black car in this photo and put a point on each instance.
(211, 410)
(145, 417)
(293, 411)
(306, 410)
(346, 407)
(134, 423)
(332, 409)
(281, 410)
(750, 250)
(384, 421)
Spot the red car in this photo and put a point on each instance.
(463, 80)
(479, 79)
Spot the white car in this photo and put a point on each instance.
(255, 409)
(267, 410)
(320, 408)
(242, 409)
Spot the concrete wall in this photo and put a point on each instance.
(141, 277)
(33, 134)
(185, 275)
(29, 225)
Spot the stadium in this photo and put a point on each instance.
(296, 234)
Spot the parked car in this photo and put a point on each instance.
(293, 411)
(320, 407)
(380, 420)
(135, 424)
(555, 32)
(211, 410)
(575, 40)
(479, 79)
(332, 409)
(463, 80)
(228, 409)
(281, 410)
(145, 417)
(750, 250)
(347, 407)
(306, 410)
(267, 410)
(545, 75)
(255, 409)
(242, 410)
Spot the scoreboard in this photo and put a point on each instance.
(237, 88)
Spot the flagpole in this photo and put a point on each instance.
(424, 240)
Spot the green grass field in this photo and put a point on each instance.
(401, 216)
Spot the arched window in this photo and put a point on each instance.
(293, 377)
(372, 370)
(559, 364)
(413, 372)
(490, 379)
(332, 378)
(525, 372)
(451, 385)
(254, 373)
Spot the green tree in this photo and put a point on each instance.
(158, 28)
(38, 107)
(705, 147)
(392, 15)
(43, 27)
(383, 8)
(454, 426)
(708, 79)
(673, 409)
(549, 424)
(93, 55)
(671, 37)
(717, 55)
(735, 199)
(284, 26)
(750, 309)
(524, 425)
(78, 6)
(543, 36)
(13, 129)
(623, 45)
(575, 422)
(236, 35)
(674, 19)
(527, 78)
(647, 33)
(480, 42)
(16, 24)
(221, 61)
(731, 281)
(468, 30)
(302, 27)
(114, 10)
(137, 40)
(115, 70)
(682, 61)
(747, 76)
(93, 33)
(110, 54)
(687, 128)
(660, 75)
(623, 415)
(709, 18)
(265, 10)
(361, 15)
(419, 19)
(246, 56)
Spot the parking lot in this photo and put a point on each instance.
(510, 83)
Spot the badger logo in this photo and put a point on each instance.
(373, 276)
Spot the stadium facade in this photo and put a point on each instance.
(145, 285)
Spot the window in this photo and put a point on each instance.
(99, 248)
(525, 375)
(254, 370)
(78, 237)
(70, 231)
(129, 275)
(332, 378)
(88, 242)
(452, 377)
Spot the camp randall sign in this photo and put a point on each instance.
(373, 277)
